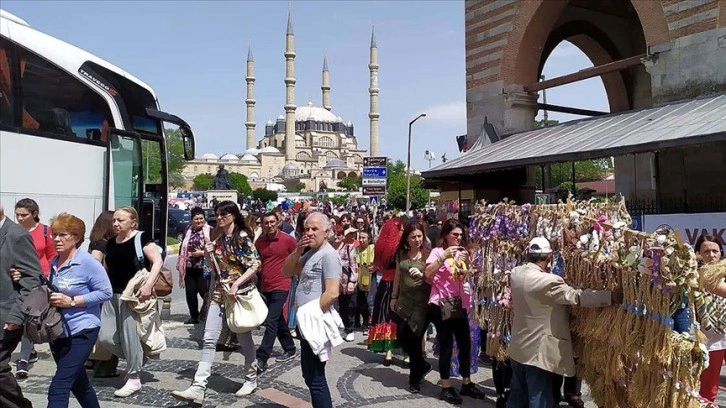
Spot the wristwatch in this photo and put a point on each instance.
(73, 301)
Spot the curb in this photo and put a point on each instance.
(172, 249)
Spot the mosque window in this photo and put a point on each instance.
(254, 175)
(331, 155)
(303, 156)
(326, 142)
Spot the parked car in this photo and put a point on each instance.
(178, 222)
(211, 217)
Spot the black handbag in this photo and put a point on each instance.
(451, 308)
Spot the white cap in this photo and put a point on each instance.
(539, 245)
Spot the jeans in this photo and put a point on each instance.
(446, 331)
(347, 308)
(502, 376)
(70, 354)
(291, 306)
(375, 280)
(194, 284)
(275, 326)
(682, 319)
(531, 387)
(362, 311)
(11, 396)
(212, 330)
(26, 348)
(573, 386)
(411, 345)
(313, 371)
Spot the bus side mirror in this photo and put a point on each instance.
(188, 140)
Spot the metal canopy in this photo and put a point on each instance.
(679, 124)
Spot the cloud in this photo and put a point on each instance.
(450, 113)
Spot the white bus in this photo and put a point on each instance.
(78, 134)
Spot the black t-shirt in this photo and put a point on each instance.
(98, 246)
(121, 261)
(433, 234)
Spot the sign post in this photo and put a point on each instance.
(375, 176)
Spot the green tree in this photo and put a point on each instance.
(151, 156)
(557, 174)
(297, 187)
(348, 183)
(203, 182)
(339, 199)
(264, 194)
(239, 182)
(396, 192)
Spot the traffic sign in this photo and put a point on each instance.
(374, 190)
(375, 161)
(374, 182)
(375, 172)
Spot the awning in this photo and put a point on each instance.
(684, 123)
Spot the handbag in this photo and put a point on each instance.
(164, 283)
(247, 311)
(451, 308)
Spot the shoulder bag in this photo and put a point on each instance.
(164, 283)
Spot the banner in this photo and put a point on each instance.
(691, 226)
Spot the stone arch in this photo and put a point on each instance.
(352, 174)
(535, 20)
(341, 175)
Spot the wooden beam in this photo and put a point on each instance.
(567, 109)
(585, 73)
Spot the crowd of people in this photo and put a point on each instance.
(326, 276)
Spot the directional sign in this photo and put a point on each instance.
(374, 182)
(374, 190)
(375, 161)
(375, 172)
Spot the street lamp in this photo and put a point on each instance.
(408, 164)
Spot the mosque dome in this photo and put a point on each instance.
(229, 157)
(335, 164)
(253, 151)
(269, 149)
(290, 166)
(248, 158)
(209, 156)
(314, 113)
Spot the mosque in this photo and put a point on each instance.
(308, 145)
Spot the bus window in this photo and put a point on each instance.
(56, 103)
(7, 63)
(126, 166)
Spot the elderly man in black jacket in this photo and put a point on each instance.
(16, 252)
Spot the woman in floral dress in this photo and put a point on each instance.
(238, 262)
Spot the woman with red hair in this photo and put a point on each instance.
(382, 336)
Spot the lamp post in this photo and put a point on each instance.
(408, 164)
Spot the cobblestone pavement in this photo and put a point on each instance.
(355, 376)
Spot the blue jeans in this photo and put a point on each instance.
(275, 326)
(682, 319)
(531, 387)
(313, 371)
(70, 354)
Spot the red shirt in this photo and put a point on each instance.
(44, 247)
(273, 253)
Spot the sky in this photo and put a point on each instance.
(193, 55)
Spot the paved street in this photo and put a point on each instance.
(356, 377)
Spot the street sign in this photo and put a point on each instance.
(374, 190)
(375, 172)
(375, 161)
(374, 182)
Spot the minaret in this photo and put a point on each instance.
(290, 91)
(250, 101)
(373, 91)
(326, 84)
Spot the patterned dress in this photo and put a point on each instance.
(235, 255)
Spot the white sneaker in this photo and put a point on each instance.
(350, 337)
(247, 388)
(129, 389)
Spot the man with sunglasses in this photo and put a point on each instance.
(274, 246)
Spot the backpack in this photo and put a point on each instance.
(43, 323)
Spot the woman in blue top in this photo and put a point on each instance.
(82, 285)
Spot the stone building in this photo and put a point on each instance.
(307, 144)
(648, 53)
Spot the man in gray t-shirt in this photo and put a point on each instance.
(319, 270)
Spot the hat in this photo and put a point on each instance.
(539, 245)
(350, 231)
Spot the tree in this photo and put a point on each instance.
(264, 194)
(297, 187)
(151, 156)
(396, 192)
(348, 183)
(203, 182)
(557, 174)
(239, 182)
